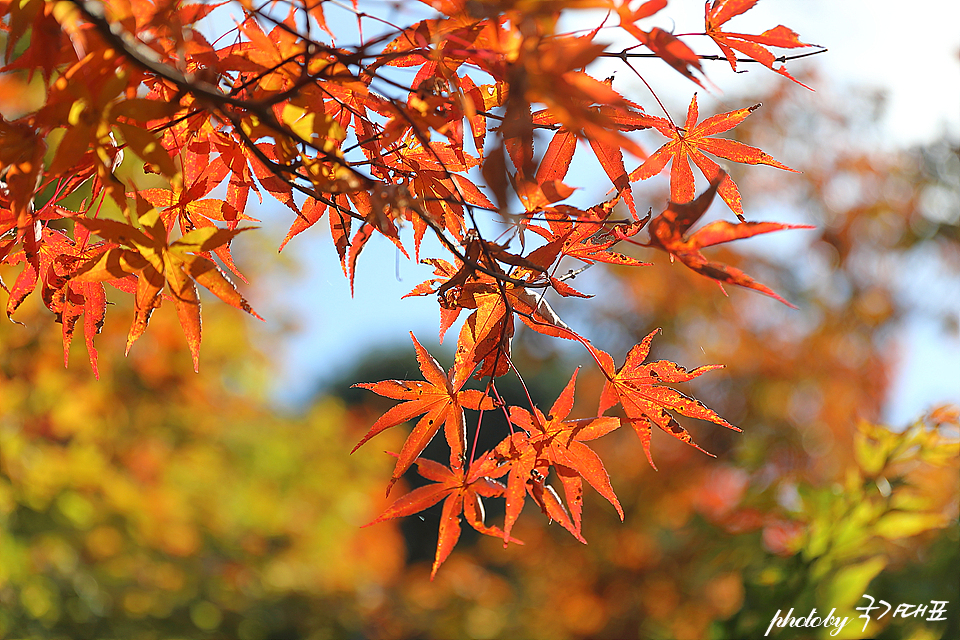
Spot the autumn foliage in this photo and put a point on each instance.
(467, 117)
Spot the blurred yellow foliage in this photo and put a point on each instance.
(155, 494)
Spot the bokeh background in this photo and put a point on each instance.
(158, 503)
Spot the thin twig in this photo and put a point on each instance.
(624, 55)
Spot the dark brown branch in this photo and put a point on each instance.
(149, 60)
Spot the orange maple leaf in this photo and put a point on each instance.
(179, 265)
(69, 300)
(56, 258)
(518, 456)
(639, 389)
(691, 141)
(440, 399)
(487, 332)
(484, 342)
(461, 491)
(668, 231)
(559, 442)
(587, 236)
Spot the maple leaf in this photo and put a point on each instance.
(668, 230)
(556, 159)
(665, 45)
(69, 299)
(30, 240)
(156, 263)
(435, 192)
(57, 257)
(689, 142)
(446, 271)
(485, 336)
(558, 442)
(191, 212)
(461, 490)
(310, 213)
(47, 35)
(517, 456)
(640, 390)
(587, 235)
(440, 398)
(718, 13)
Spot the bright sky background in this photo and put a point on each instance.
(912, 50)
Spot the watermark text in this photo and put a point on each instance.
(810, 620)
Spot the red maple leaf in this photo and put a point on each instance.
(518, 456)
(690, 141)
(640, 390)
(668, 232)
(587, 235)
(70, 300)
(718, 13)
(556, 159)
(461, 490)
(57, 258)
(668, 47)
(440, 399)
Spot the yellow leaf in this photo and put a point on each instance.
(851, 582)
(903, 524)
(293, 117)
(147, 147)
(309, 125)
(871, 455)
(941, 453)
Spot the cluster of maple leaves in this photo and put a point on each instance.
(275, 106)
